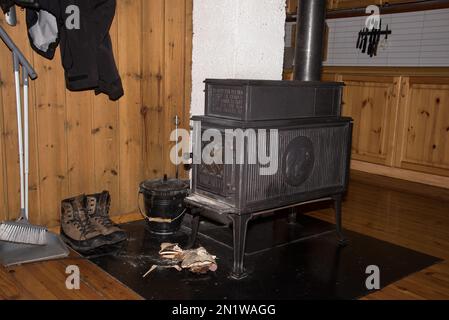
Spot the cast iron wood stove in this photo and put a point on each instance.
(314, 142)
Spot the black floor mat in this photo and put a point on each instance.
(285, 261)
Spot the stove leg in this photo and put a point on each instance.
(338, 199)
(240, 227)
(195, 225)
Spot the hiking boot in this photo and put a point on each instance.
(97, 206)
(76, 228)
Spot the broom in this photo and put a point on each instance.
(22, 231)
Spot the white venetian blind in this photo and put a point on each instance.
(419, 39)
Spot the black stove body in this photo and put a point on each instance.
(311, 150)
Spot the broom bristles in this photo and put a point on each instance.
(19, 232)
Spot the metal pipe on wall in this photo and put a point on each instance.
(309, 40)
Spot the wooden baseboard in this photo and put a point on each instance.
(125, 218)
(418, 177)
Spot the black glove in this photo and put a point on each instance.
(32, 4)
(6, 5)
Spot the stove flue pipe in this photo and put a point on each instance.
(309, 40)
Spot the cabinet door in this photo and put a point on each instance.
(424, 125)
(372, 101)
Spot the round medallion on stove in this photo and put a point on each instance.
(298, 161)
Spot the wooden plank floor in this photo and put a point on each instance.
(407, 214)
(46, 280)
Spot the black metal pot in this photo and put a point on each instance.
(164, 204)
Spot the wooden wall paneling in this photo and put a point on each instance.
(391, 120)
(350, 4)
(34, 177)
(9, 130)
(11, 160)
(175, 20)
(106, 139)
(130, 17)
(425, 127)
(83, 143)
(401, 120)
(433, 72)
(34, 185)
(287, 75)
(372, 103)
(292, 5)
(9, 133)
(80, 152)
(153, 48)
(52, 139)
(3, 185)
(187, 73)
(329, 77)
(349, 110)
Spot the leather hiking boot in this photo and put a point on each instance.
(76, 228)
(97, 206)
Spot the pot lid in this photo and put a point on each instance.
(165, 185)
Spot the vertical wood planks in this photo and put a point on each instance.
(9, 130)
(175, 20)
(3, 185)
(426, 127)
(131, 125)
(52, 143)
(81, 143)
(80, 153)
(34, 178)
(188, 33)
(153, 30)
(105, 135)
(11, 156)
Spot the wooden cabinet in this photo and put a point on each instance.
(401, 120)
(372, 102)
(423, 140)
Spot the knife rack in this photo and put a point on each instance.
(368, 40)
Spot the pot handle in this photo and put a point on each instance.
(142, 212)
(161, 220)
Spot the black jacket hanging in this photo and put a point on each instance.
(86, 52)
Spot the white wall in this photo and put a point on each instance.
(239, 39)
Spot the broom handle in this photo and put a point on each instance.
(19, 133)
(26, 139)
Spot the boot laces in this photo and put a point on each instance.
(104, 220)
(80, 220)
(101, 213)
(86, 226)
